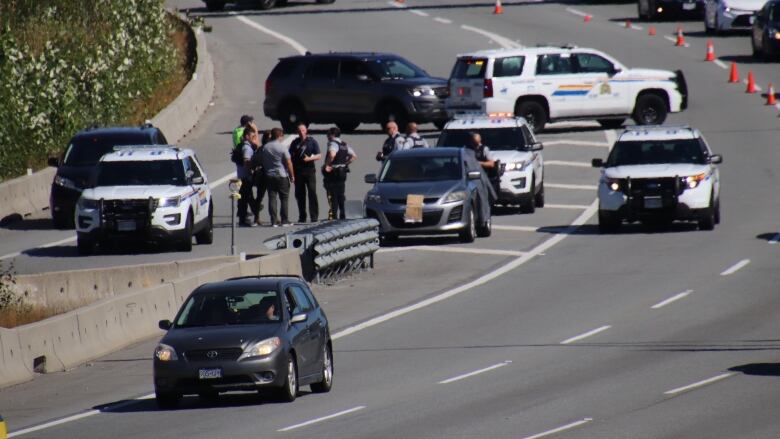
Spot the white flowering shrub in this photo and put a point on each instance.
(65, 65)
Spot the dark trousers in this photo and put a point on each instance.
(277, 187)
(247, 200)
(305, 185)
(336, 198)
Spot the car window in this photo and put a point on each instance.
(297, 300)
(395, 68)
(412, 169)
(351, 69)
(310, 296)
(497, 139)
(529, 136)
(189, 166)
(233, 308)
(510, 66)
(469, 68)
(774, 14)
(656, 151)
(323, 69)
(161, 138)
(554, 64)
(590, 63)
(282, 70)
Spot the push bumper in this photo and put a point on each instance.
(691, 204)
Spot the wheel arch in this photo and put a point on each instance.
(533, 98)
(663, 94)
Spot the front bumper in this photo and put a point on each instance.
(437, 218)
(423, 110)
(516, 186)
(734, 20)
(484, 106)
(678, 7)
(690, 204)
(165, 224)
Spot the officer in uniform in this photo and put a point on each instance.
(413, 139)
(340, 155)
(487, 161)
(304, 152)
(394, 141)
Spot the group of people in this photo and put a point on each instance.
(265, 165)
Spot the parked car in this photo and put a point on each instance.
(654, 9)
(77, 163)
(350, 88)
(264, 334)
(765, 31)
(728, 15)
(455, 190)
(218, 5)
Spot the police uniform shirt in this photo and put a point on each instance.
(333, 147)
(414, 140)
(484, 155)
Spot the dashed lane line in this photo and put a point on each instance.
(720, 64)
(504, 42)
(586, 335)
(476, 372)
(565, 206)
(736, 267)
(576, 143)
(442, 20)
(577, 12)
(515, 228)
(699, 383)
(583, 187)
(560, 429)
(324, 418)
(418, 12)
(567, 163)
(674, 298)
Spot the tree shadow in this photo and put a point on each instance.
(758, 369)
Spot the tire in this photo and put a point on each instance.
(608, 223)
(166, 400)
(756, 52)
(206, 236)
(717, 211)
(289, 391)
(290, 114)
(61, 221)
(539, 197)
(439, 124)
(185, 244)
(84, 245)
(347, 127)
(708, 221)
(529, 206)
(215, 5)
(387, 238)
(266, 4)
(650, 109)
(534, 113)
(707, 29)
(611, 124)
(392, 111)
(326, 384)
(766, 54)
(485, 229)
(469, 233)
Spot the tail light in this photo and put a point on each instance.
(267, 86)
(487, 89)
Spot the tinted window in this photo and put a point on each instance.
(469, 68)
(189, 166)
(655, 151)
(323, 69)
(141, 173)
(411, 169)
(240, 308)
(283, 69)
(298, 300)
(555, 64)
(511, 66)
(497, 139)
(590, 63)
(87, 150)
(395, 68)
(351, 69)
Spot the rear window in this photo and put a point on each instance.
(469, 68)
(87, 150)
(283, 69)
(497, 139)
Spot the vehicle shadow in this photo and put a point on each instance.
(413, 241)
(193, 402)
(28, 224)
(758, 369)
(743, 59)
(768, 236)
(670, 19)
(625, 229)
(703, 34)
(569, 130)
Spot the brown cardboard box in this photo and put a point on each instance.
(414, 208)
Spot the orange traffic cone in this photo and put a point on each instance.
(734, 74)
(651, 31)
(498, 9)
(628, 24)
(770, 95)
(400, 1)
(680, 38)
(710, 51)
(587, 18)
(751, 83)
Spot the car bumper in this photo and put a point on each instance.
(680, 7)
(166, 225)
(516, 186)
(691, 204)
(438, 219)
(426, 110)
(734, 20)
(484, 106)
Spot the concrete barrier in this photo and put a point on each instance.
(12, 366)
(25, 195)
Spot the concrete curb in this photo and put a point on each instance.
(68, 340)
(26, 195)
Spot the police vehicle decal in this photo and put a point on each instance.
(573, 90)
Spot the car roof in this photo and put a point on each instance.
(472, 122)
(356, 55)
(659, 132)
(428, 152)
(146, 129)
(242, 283)
(148, 153)
(492, 53)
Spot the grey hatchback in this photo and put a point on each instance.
(245, 334)
(455, 191)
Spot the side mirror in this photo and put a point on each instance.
(54, 161)
(538, 146)
(474, 175)
(370, 178)
(298, 318)
(165, 325)
(597, 163)
(197, 180)
(716, 159)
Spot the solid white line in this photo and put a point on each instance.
(700, 383)
(476, 372)
(560, 429)
(417, 12)
(516, 228)
(736, 267)
(324, 418)
(222, 180)
(671, 299)
(720, 64)
(584, 187)
(586, 335)
(504, 42)
(442, 20)
(567, 163)
(576, 143)
(577, 12)
(775, 239)
(565, 206)
(294, 44)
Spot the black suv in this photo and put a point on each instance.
(79, 159)
(350, 88)
(218, 5)
(765, 33)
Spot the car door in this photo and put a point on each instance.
(557, 80)
(204, 192)
(357, 87)
(305, 340)
(538, 160)
(321, 98)
(607, 96)
(193, 173)
(757, 30)
(506, 76)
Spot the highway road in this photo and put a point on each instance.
(545, 329)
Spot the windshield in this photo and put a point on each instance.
(412, 169)
(233, 308)
(656, 151)
(88, 150)
(497, 139)
(395, 68)
(138, 173)
(469, 68)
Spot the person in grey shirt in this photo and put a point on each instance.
(278, 175)
(413, 139)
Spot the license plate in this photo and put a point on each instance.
(653, 203)
(125, 226)
(209, 374)
(689, 6)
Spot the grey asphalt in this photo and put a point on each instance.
(611, 384)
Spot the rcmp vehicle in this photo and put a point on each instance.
(549, 84)
(658, 174)
(513, 144)
(765, 31)
(150, 193)
(729, 15)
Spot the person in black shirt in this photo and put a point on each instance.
(335, 170)
(305, 151)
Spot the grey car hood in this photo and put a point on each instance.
(211, 337)
(426, 188)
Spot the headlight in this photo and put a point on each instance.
(423, 91)
(165, 353)
(262, 348)
(517, 166)
(453, 197)
(170, 202)
(614, 184)
(87, 203)
(694, 180)
(373, 198)
(66, 182)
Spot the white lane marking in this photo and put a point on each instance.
(418, 12)
(504, 42)
(720, 64)
(674, 298)
(586, 335)
(577, 12)
(700, 383)
(324, 418)
(576, 143)
(560, 429)
(736, 267)
(516, 228)
(775, 239)
(567, 163)
(476, 372)
(565, 206)
(294, 44)
(222, 180)
(447, 249)
(442, 20)
(583, 187)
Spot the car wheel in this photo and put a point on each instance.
(650, 109)
(167, 400)
(717, 211)
(185, 244)
(266, 4)
(485, 229)
(206, 236)
(707, 222)
(84, 245)
(608, 223)
(289, 391)
(325, 385)
(766, 54)
(529, 205)
(611, 124)
(539, 197)
(290, 115)
(215, 5)
(62, 221)
(534, 113)
(392, 111)
(439, 124)
(469, 233)
(347, 127)
(707, 28)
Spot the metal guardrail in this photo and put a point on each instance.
(334, 248)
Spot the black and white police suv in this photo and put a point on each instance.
(549, 84)
(146, 193)
(513, 144)
(658, 174)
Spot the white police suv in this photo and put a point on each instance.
(146, 193)
(657, 174)
(549, 84)
(513, 144)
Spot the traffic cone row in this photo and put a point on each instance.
(710, 51)
(499, 9)
(680, 38)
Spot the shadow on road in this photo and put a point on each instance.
(767, 236)
(760, 369)
(625, 229)
(28, 224)
(192, 402)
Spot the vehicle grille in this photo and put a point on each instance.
(427, 200)
(429, 219)
(236, 380)
(441, 92)
(668, 189)
(223, 354)
(741, 21)
(139, 211)
(455, 214)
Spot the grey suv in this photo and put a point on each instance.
(350, 88)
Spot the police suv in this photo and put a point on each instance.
(658, 174)
(549, 84)
(513, 144)
(147, 193)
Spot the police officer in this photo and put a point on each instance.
(340, 155)
(484, 156)
(394, 141)
(304, 151)
(413, 139)
(238, 132)
(248, 145)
